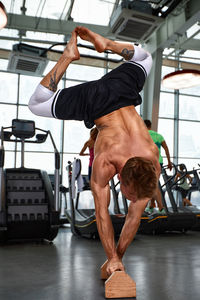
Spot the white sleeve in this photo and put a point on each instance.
(41, 101)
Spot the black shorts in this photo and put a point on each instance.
(92, 100)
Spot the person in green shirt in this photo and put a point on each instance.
(160, 142)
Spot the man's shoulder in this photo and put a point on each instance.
(102, 160)
(103, 166)
(100, 178)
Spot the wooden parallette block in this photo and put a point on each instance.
(104, 274)
(120, 285)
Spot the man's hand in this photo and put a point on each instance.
(114, 264)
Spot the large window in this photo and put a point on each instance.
(166, 107)
(189, 107)
(26, 88)
(179, 123)
(166, 128)
(9, 87)
(189, 143)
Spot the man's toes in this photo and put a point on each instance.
(77, 29)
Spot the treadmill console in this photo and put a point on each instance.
(23, 129)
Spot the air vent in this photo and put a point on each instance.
(135, 26)
(25, 65)
(25, 60)
(134, 29)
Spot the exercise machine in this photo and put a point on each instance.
(179, 218)
(195, 186)
(62, 199)
(29, 210)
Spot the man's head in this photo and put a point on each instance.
(138, 179)
(148, 124)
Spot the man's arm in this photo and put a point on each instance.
(131, 225)
(102, 172)
(164, 145)
(105, 227)
(70, 54)
(42, 99)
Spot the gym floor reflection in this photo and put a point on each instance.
(164, 267)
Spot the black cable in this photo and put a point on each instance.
(83, 55)
(78, 45)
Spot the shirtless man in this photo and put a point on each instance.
(123, 146)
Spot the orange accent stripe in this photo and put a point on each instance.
(82, 226)
(160, 217)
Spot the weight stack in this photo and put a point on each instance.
(29, 205)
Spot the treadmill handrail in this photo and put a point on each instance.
(173, 176)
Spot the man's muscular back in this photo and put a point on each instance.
(122, 135)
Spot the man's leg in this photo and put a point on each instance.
(128, 51)
(70, 54)
(101, 43)
(41, 101)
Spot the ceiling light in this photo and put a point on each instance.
(181, 79)
(3, 17)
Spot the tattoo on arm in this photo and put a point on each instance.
(127, 54)
(53, 85)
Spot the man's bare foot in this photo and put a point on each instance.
(99, 42)
(71, 50)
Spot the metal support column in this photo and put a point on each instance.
(152, 90)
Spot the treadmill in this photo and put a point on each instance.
(179, 218)
(194, 187)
